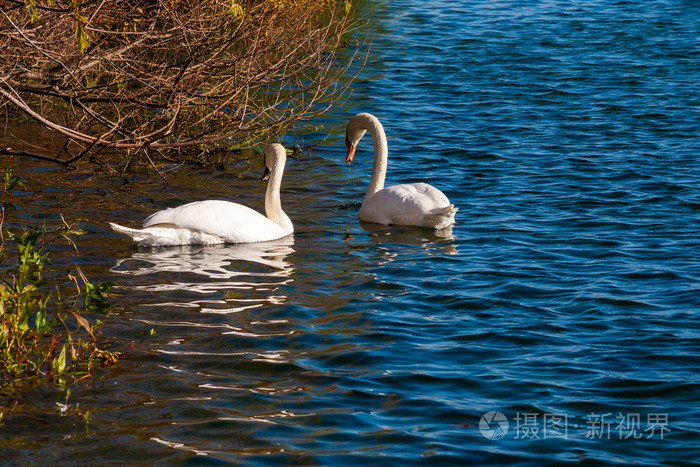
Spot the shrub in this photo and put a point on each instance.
(174, 77)
(45, 337)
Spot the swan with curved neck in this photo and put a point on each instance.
(417, 204)
(212, 222)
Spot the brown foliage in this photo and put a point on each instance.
(175, 75)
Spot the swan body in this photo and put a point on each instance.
(417, 204)
(212, 222)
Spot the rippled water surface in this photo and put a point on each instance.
(565, 299)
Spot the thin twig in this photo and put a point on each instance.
(145, 151)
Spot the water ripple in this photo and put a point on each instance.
(566, 133)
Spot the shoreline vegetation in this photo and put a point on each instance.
(45, 333)
(169, 80)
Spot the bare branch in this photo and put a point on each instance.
(159, 75)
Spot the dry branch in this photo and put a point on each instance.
(169, 74)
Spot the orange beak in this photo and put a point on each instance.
(351, 150)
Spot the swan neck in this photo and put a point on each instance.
(273, 204)
(381, 156)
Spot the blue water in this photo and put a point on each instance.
(565, 299)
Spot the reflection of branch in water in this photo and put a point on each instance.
(214, 262)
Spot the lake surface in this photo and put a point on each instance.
(557, 323)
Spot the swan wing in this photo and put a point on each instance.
(416, 204)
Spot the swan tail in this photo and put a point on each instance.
(136, 234)
(437, 219)
(441, 218)
(167, 236)
(143, 237)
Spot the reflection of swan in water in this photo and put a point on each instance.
(232, 278)
(440, 240)
(393, 242)
(215, 262)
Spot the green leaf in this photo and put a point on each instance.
(60, 362)
(40, 320)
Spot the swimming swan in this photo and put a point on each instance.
(417, 204)
(211, 222)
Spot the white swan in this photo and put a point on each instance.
(212, 222)
(417, 204)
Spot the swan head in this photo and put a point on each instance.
(274, 155)
(354, 133)
(357, 127)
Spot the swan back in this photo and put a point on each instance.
(417, 204)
